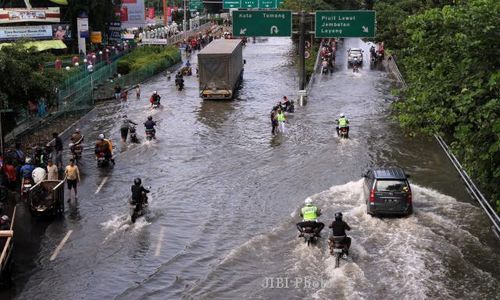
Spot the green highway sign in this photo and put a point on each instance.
(231, 4)
(262, 23)
(195, 4)
(345, 23)
(268, 3)
(249, 3)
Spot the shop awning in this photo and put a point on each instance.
(41, 45)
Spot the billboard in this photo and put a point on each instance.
(17, 15)
(37, 32)
(133, 13)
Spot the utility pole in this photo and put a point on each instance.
(184, 22)
(302, 50)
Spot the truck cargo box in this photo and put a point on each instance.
(220, 69)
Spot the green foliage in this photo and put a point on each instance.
(22, 77)
(148, 56)
(452, 64)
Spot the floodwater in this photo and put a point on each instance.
(225, 195)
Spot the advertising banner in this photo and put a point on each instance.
(37, 32)
(135, 13)
(17, 15)
(114, 31)
(96, 37)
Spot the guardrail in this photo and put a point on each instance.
(473, 190)
(471, 187)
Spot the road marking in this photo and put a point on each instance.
(61, 244)
(160, 241)
(101, 185)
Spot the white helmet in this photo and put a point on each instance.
(155, 92)
(101, 136)
(77, 130)
(308, 201)
(71, 145)
(27, 160)
(342, 115)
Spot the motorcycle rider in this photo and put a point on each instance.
(77, 137)
(124, 128)
(324, 66)
(104, 146)
(342, 122)
(138, 196)
(338, 230)
(355, 64)
(179, 80)
(155, 99)
(150, 126)
(310, 214)
(373, 53)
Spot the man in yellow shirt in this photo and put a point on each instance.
(72, 177)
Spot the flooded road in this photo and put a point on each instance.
(225, 196)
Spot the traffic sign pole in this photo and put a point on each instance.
(302, 50)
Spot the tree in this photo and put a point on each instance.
(452, 65)
(23, 78)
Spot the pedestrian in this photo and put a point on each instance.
(280, 117)
(58, 147)
(11, 174)
(118, 92)
(52, 171)
(274, 122)
(138, 91)
(72, 177)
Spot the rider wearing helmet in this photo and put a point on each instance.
(125, 126)
(4, 222)
(138, 192)
(155, 99)
(150, 126)
(27, 169)
(310, 214)
(104, 146)
(338, 230)
(342, 122)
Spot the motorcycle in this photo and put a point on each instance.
(26, 185)
(150, 134)
(133, 135)
(102, 161)
(288, 107)
(337, 248)
(355, 67)
(343, 133)
(309, 236)
(137, 210)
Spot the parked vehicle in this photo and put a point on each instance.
(389, 192)
(220, 69)
(355, 53)
(47, 198)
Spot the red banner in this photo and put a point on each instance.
(151, 13)
(124, 14)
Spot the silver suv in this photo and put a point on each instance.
(389, 192)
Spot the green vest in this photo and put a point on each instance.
(343, 122)
(309, 213)
(281, 117)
